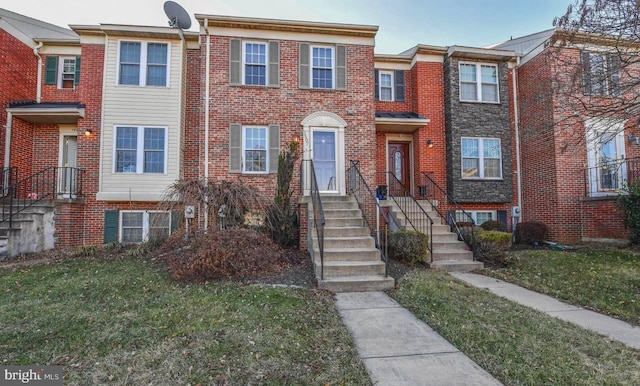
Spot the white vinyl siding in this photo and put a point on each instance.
(140, 107)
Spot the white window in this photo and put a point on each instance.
(322, 67)
(67, 78)
(478, 216)
(140, 149)
(606, 164)
(255, 63)
(137, 226)
(481, 158)
(254, 149)
(143, 63)
(385, 82)
(478, 82)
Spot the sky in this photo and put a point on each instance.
(402, 23)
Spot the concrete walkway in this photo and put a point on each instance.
(398, 349)
(613, 328)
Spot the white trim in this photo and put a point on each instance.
(481, 159)
(595, 128)
(478, 82)
(142, 76)
(324, 121)
(333, 66)
(61, 60)
(139, 148)
(474, 215)
(266, 144)
(266, 63)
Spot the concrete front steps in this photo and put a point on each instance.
(32, 230)
(352, 263)
(449, 254)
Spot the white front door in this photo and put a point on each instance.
(67, 177)
(324, 159)
(605, 148)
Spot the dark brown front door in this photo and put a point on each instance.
(399, 166)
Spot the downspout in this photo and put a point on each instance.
(206, 117)
(516, 117)
(7, 140)
(39, 85)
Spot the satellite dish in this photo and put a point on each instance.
(178, 17)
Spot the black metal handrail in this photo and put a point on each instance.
(49, 183)
(9, 177)
(371, 210)
(420, 221)
(431, 191)
(318, 211)
(610, 175)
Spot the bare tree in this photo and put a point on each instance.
(596, 48)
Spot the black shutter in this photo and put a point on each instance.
(377, 83)
(502, 217)
(586, 73)
(111, 220)
(613, 72)
(51, 70)
(399, 80)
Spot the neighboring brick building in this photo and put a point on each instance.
(573, 164)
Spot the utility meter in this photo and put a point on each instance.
(189, 211)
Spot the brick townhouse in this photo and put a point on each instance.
(121, 112)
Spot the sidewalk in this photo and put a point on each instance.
(398, 349)
(601, 324)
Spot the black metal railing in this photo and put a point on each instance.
(49, 183)
(9, 177)
(447, 208)
(374, 216)
(610, 175)
(415, 215)
(308, 181)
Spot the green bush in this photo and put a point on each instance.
(531, 232)
(492, 247)
(408, 246)
(630, 204)
(493, 225)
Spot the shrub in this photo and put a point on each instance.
(408, 246)
(531, 232)
(491, 247)
(493, 225)
(630, 204)
(235, 253)
(281, 218)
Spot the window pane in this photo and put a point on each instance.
(385, 80)
(470, 147)
(255, 69)
(489, 92)
(483, 217)
(470, 167)
(126, 148)
(468, 92)
(156, 75)
(255, 146)
(468, 72)
(491, 148)
(159, 225)
(153, 150)
(492, 168)
(322, 64)
(157, 53)
(255, 75)
(129, 63)
(322, 78)
(132, 227)
(385, 94)
(489, 74)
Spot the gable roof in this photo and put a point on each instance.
(33, 29)
(524, 44)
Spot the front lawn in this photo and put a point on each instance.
(605, 280)
(124, 321)
(518, 345)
